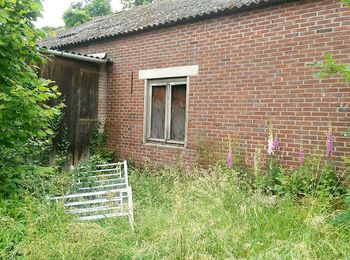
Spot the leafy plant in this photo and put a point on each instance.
(343, 218)
(98, 143)
(329, 67)
(269, 180)
(27, 102)
(24, 112)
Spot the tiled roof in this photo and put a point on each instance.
(159, 13)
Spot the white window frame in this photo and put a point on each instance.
(168, 83)
(151, 75)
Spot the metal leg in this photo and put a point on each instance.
(131, 210)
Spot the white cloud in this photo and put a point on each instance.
(53, 11)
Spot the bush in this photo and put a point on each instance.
(314, 178)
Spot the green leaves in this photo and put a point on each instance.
(24, 97)
(329, 67)
(83, 11)
(132, 3)
(347, 2)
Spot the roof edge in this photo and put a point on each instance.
(76, 56)
(185, 20)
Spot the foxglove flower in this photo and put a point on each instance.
(270, 144)
(330, 143)
(301, 156)
(229, 159)
(276, 145)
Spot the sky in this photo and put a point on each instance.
(54, 9)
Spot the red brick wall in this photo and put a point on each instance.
(252, 70)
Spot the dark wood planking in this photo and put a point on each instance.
(78, 84)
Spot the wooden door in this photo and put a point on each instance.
(78, 84)
(86, 113)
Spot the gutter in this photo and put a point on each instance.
(77, 57)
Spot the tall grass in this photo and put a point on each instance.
(201, 215)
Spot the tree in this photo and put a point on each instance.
(24, 111)
(49, 30)
(75, 15)
(98, 8)
(330, 67)
(131, 3)
(84, 10)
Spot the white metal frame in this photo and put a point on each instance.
(168, 83)
(106, 194)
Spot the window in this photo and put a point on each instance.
(166, 110)
(166, 99)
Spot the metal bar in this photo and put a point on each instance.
(106, 170)
(87, 202)
(130, 209)
(109, 164)
(106, 181)
(78, 195)
(109, 215)
(104, 175)
(104, 186)
(126, 173)
(89, 210)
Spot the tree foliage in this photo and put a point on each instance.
(131, 3)
(84, 10)
(49, 30)
(330, 67)
(24, 97)
(98, 8)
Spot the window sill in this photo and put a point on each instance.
(163, 144)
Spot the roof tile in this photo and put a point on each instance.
(139, 18)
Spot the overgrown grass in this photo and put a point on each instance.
(203, 214)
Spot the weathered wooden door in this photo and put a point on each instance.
(78, 84)
(86, 113)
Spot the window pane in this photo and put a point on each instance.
(158, 112)
(178, 112)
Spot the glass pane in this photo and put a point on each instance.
(158, 112)
(178, 112)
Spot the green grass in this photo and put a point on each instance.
(203, 216)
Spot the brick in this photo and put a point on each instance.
(252, 70)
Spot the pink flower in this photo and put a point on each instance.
(301, 156)
(330, 143)
(229, 159)
(270, 144)
(276, 145)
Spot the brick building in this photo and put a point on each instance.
(187, 74)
